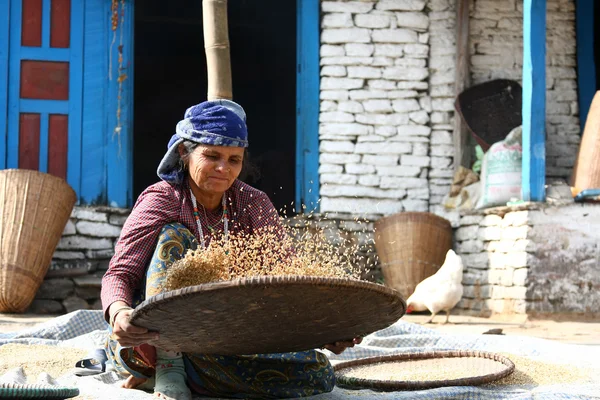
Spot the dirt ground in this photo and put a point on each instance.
(558, 328)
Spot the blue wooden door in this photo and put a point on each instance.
(66, 93)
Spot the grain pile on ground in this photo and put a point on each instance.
(533, 372)
(267, 252)
(35, 359)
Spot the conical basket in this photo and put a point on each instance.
(35, 209)
(586, 174)
(411, 247)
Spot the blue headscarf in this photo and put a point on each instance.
(217, 123)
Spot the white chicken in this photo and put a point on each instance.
(441, 291)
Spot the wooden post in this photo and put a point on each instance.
(216, 45)
(462, 154)
(534, 100)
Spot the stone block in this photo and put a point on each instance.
(381, 84)
(399, 170)
(330, 169)
(68, 255)
(369, 180)
(368, 94)
(418, 161)
(360, 192)
(413, 20)
(328, 83)
(372, 20)
(88, 293)
(419, 117)
(349, 35)
(477, 291)
(333, 70)
(476, 261)
(391, 182)
(394, 36)
(74, 303)
(69, 228)
(377, 106)
(98, 229)
(88, 214)
(359, 49)
(336, 147)
(416, 50)
(39, 306)
(385, 130)
(350, 107)
(491, 220)
(442, 150)
(344, 129)
(516, 218)
(328, 50)
(400, 5)
(402, 94)
(380, 159)
(441, 162)
(383, 148)
(420, 149)
(361, 206)
(418, 194)
(55, 289)
(406, 74)
(471, 220)
(328, 105)
(470, 246)
(359, 169)
(441, 137)
(344, 179)
(405, 106)
(99, 254)
(337, 20)
(403, 85)
(467, 233)
(364, 72)
(442, 104)
(355, 7)
(83, 243)
(70, 268)
(389, 50)
(475, 277)
(332, 158)
(515, 232)
(333, 95)
(412, 205)
(490, 233)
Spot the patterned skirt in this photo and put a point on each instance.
(278, 375)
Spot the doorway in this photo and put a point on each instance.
(170, 75)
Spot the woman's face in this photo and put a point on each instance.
(214, 168)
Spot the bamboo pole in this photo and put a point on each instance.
(216, 46)
(462, 150)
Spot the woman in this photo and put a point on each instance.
(198, 199)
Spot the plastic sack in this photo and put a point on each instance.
(501, 171)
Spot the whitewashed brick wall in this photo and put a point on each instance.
(374, 122)
(387, 93)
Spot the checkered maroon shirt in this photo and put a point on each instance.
(248, 209)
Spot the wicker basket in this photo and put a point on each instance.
(35, 209)
(411, 246)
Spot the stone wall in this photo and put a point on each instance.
(545, 260)
(80, 260)
(387, 94)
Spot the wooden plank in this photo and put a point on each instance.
(45, 106)
(95, 78)
(119, 149)
(60, 24)
(12, 151)
(307, 103)
(44, 137)
(534, 100)
(586, 65)
(75, 96)
(29, 141)
(4, 42)
(58, 146)
(41, 54)
(46, 23)
(31, 21)
(462, 152)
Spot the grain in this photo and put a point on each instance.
(266, 252)
(35, 359)
(437, 369)
(534, 372)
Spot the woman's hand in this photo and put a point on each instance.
(129, 335)
(339, 347)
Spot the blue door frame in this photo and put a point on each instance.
(307, 105)
(586, 65)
